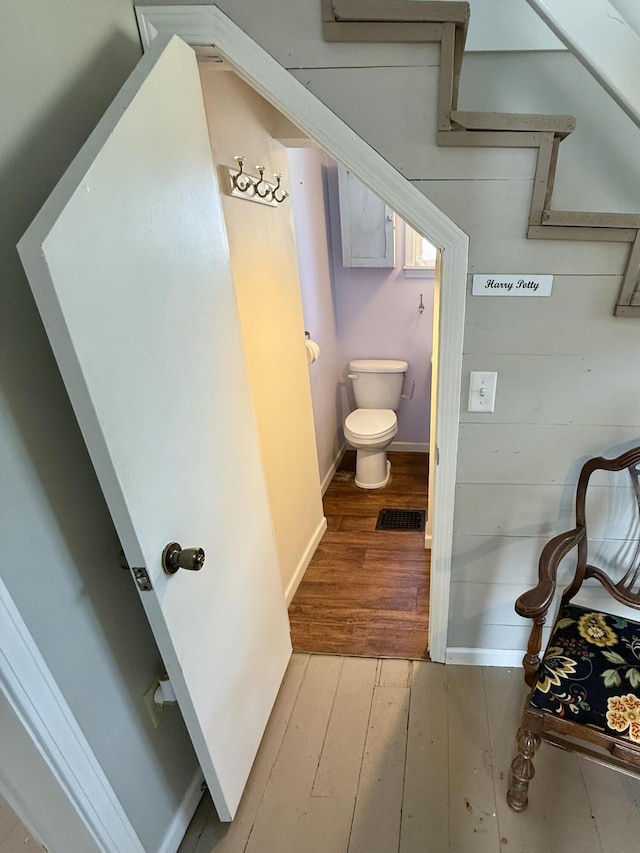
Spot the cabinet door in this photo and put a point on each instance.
(367, 225)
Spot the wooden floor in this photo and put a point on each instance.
(366, 591)
(388, 756)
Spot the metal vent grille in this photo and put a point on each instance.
(401, 519)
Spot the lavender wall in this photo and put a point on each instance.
(354, 313)
(378, 317)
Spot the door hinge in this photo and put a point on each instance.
(437, 455)
(142, 579)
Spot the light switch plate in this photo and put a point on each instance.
(482, 391)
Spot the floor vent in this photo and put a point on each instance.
(401, 519)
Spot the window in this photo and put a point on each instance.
(419, 255)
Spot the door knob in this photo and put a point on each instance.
(174, 557)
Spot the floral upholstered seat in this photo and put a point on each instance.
(590, 672)
(585, 692)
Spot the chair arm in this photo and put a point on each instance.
(534, 603)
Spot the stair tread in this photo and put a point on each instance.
(591, 218)
(514, 121)
(401, 11)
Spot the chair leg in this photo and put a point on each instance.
(522, 770)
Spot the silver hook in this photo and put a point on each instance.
(256, 189)
(241, 181)
(279, 194)
(266, 189)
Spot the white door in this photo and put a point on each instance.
(129, 264)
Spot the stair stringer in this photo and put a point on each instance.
(446, 23)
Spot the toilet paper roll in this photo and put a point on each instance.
(313, 351)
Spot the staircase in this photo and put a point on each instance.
(447, 23)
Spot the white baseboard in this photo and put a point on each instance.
(328, 477)
(410, 446)
(485, 657)
(309, 551)
(182, 818)
(45, 715)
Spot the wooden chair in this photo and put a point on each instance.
(587, 685)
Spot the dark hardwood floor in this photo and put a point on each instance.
(366, 591)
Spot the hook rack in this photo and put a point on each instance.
(251, 188)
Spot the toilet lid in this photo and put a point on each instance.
(371, 422)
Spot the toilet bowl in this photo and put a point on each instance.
(370, 432)
(371, 427)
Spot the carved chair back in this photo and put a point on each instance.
(586, 689)
(626, 588)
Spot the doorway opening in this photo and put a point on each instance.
(367, 286)
(208, 25)
(289, 264)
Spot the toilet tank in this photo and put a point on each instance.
(377, 382)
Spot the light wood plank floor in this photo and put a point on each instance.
(366, 591)
(363, 755)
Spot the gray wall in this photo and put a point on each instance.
(60, 65)
(566, 373)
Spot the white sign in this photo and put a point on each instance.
(512, 285)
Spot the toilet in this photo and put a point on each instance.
(370, 428)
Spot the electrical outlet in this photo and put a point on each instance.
(156, 712)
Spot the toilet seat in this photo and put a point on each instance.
(371, 424)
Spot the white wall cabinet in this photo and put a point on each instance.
(367, 225)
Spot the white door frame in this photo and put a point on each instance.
(199, 25)
(39, 705)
